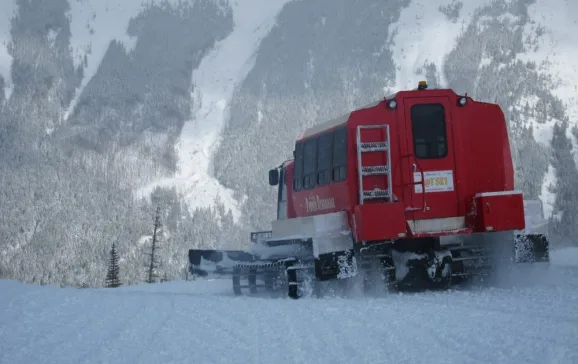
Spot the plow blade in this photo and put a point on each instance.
(531, 248)
(204, 262)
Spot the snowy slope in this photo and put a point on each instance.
(555, 55)
(93, 25)
(202, 322)
(215, 80)
(424, 34)
(7, 9)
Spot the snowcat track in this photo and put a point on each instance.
(271, 276)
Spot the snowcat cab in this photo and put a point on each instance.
(416, 190)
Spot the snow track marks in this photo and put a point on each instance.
(203, 322)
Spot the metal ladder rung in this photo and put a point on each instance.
(362, 171)
(376, 193)
(373, 146)
(374, 170)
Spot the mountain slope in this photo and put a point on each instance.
(8, 9)
(214, 80)
(70, 182)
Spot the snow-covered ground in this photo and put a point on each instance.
(202, 322)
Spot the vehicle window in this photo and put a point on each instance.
(298, 170)
(339, 169)
(429, 131)
(310, 163)
(324, 159)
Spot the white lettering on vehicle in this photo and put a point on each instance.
(314, 203)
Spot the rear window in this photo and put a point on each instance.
(428, 122)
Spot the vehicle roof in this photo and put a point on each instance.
(342, 119)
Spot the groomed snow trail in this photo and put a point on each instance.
(202, 322)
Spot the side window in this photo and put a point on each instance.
(310, 163)
(324, 159)
(428, 124)
(298, 171)
(339, 170)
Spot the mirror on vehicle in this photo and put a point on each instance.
(273, 177)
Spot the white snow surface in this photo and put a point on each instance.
(214, 81)
(531, 321)
(7, 11)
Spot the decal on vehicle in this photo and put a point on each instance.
(314, 203)
(434, 181)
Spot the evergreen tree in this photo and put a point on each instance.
(112, 276)
(566, 188)
(152, 274)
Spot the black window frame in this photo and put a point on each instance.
(339, 155)
(298, 167)
(324, 158)
(434, 136)
(310, 163)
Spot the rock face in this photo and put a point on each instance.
(82, 128)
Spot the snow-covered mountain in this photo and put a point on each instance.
(104, 101)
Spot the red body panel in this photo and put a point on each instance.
(499, 212)
(477, 160)
(374, 221)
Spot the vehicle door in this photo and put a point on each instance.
(431, 162)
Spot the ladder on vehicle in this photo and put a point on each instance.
(382, 146)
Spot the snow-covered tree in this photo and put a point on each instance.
(153, 264)
(566, 188)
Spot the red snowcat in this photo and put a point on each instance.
(416, 190)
